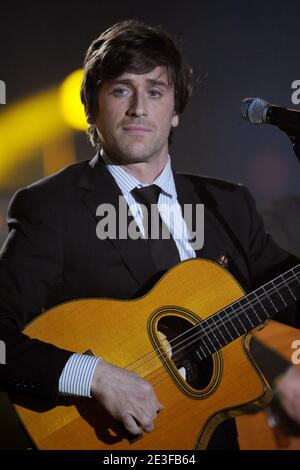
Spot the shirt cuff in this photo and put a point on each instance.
(76, 377)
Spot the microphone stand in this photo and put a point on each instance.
(296, 145)
(294, 135)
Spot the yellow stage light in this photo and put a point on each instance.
(25, 127)
(37, 123)
(71, 107)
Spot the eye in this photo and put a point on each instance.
(119, 91)
(155, 93)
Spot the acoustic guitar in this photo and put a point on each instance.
(188, 336)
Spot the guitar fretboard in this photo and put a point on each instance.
(243, 315)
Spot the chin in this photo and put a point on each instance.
(135, 155)
(134, 159)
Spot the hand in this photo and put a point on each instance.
(126, 396)
(289, 393)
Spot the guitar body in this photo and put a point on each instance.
(125, 333)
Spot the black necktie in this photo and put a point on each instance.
(162, 245)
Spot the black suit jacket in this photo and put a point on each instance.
(52, 255)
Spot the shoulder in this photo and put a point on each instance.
(216, 184)
(215, 187)
(233, 200)
(48, 191)
(61, 180)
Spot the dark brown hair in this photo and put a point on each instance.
(131, 46)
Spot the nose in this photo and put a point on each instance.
(137, 106)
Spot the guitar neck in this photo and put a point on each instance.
(250, 311)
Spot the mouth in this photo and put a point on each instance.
(136, 129)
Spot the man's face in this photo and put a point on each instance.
(136, 113)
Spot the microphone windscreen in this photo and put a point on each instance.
(254, 110)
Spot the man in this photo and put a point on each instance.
(136, 84)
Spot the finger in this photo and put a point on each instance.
(146, 423)
(131, 425)
(160, 407)
(147, 427)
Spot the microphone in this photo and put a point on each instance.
(259, 111)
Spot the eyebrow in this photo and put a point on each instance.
(128, 81)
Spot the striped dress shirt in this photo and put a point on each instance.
(77, 375)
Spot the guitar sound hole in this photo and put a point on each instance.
(185, 351)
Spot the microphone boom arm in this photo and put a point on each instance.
(258, 111)
(296, 145)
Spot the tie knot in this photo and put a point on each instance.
(147, 195)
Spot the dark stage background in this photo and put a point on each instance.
(237, 49)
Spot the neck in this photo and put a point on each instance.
(146, 171)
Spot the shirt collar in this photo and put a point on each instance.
(127, 182)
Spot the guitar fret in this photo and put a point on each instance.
(295, 284)
(285, 292)
(232, 323)
(196, 339)
(277, 291)
(199, 355)
(295, 279)
(244, 314)
(213, 332)
(225, 334)
(219, 324)
(276, 301)
(203, 334)
(287, 285)
(259, 307)
(256, 293)
(226, 330)
(292, 274)
(186, 338)
(296, 271)
(271, 301)
(198, 335)
(255, 307)
(208, 349)
(238, 318)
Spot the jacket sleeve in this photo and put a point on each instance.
(266, 260)
(31, 264)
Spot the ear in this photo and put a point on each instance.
(175, 120)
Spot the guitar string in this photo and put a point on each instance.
(204, 334)
(162, 371)
(236, 312)
(159, 352)
(209, 330)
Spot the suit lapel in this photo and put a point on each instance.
(188, 192)
(97, 186)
